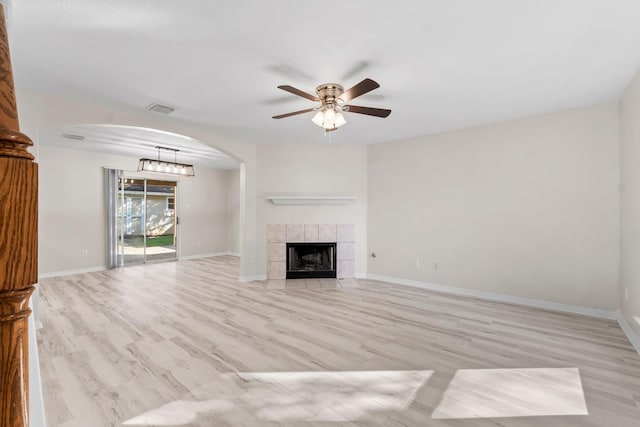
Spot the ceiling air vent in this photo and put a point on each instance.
(72, 136)
(159, 108)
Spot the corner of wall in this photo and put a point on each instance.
(629, 143)
(628, 330)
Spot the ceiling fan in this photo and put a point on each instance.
(333, 99)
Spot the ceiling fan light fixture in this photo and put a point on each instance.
(333, 99)
(329, 119)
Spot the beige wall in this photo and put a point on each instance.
(72, 209)
(202, 209)
(233, 211)
(312, 170)
(630, 205)
(528, 208)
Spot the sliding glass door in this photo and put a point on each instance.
(146, 221)
(160, 220)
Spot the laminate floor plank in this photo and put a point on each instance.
(185, 343)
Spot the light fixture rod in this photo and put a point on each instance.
(166, 148)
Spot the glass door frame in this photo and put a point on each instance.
(120, 226)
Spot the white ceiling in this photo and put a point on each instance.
(441, 64)
(137, 142)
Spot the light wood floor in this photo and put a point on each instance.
(184, 343)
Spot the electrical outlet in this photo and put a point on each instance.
(415, 263)
(435, 266)
(84, 253)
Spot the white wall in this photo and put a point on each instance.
(72, 209)
(309, 170)
(233, 211)
(527, 208)
(630, 204)
(202, 203)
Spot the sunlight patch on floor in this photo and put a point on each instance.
(489, 393)
(295, 396)
(151, 250)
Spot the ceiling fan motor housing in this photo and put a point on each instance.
(329, 93)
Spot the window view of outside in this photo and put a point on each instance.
(146, 220)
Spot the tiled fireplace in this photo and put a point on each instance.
(278, 235)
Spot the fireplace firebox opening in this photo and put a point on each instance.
(311, 260)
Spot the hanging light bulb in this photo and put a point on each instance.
(329, 119)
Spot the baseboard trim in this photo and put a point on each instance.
(490, 296)
(246, 279)
(628, 330)
(212, 254)
(70, 272)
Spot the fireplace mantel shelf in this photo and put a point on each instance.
(311, 200)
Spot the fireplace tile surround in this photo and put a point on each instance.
(278, 235)
(327, 233)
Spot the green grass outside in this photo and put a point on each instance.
(166, 240)
(138, 241)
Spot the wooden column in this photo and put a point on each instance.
(18, 248)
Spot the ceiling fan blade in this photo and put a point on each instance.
(367, 85)
(298, 92)
(282, 116)
(378, 112)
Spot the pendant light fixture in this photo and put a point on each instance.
(166, 167)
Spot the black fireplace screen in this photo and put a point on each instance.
(311, 260)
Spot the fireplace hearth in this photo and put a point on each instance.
(311, 260)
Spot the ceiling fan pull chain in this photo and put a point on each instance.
(329, 134)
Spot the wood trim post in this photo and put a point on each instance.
(18, 247)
